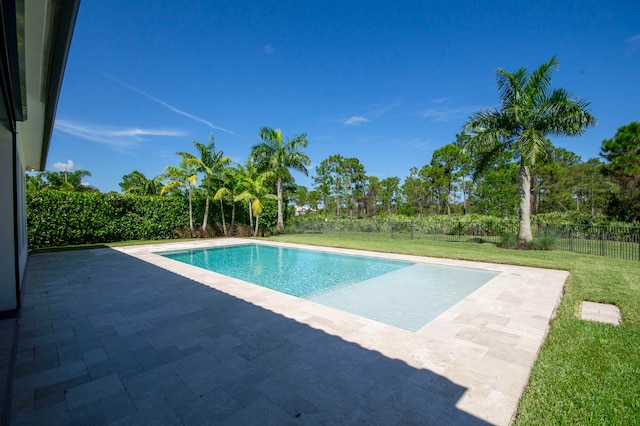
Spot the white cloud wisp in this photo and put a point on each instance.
(63, 167)
(356, 120)
(116, 138)
(170, 107)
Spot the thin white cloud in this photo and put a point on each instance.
(635, 42)
(418, 144)
(268, 49)
(378, 110)
(170, 107)
(373, 112)
(356, 120)
(63, 167)
(446, 114)
(117, 138)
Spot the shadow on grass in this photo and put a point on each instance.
(106, 337)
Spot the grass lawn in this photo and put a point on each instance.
(587, 372)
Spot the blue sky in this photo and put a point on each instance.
(387, 82)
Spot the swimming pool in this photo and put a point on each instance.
(399, 293)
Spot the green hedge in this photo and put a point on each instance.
(56, 218)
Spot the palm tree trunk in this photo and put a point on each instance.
(206, 214)
(524, 232)
(224, 225)
(279, 191)
(255, 232)
(233, 214)
(190, 213)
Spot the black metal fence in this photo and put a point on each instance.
(603, 240)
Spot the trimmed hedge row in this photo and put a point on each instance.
(56, 218)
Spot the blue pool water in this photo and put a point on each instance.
(403, 294)
(292, 271)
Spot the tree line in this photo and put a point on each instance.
(501, 164)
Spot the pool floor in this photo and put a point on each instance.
(408, 298)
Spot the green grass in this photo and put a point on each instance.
(587, 372)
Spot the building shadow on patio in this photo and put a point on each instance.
(105, 338)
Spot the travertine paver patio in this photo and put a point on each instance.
(124, 336)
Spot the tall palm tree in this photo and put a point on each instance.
(278, 156)
(255, 193)
(211, 163)
(230, 187)
(247, 172)
(530, 111)
(183, 175)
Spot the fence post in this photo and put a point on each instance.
(459, 230)
(412, 229)
(391, 229)
(601, 240)
(570, 238)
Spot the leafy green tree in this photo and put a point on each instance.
(329, 181)
(591, 186)
(277, 155)
(136, 182)
(66, 181)
(465, 170)
(496, 192)
(300, 195)
(354, 180)
(530, 111)
(34, 183)
(211, 163)
(552, 188)
(415, 192)
(371, 196)
(622, 154)
(435, 182)
(185, 175)
(390, 193)
(313, 199)
(449, 161)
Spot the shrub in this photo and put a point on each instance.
(508, 241)
(56, 218)
(546, 242)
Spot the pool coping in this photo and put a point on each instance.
(486, 343)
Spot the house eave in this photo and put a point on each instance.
(47, 28)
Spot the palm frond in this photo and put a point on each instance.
(540, 81)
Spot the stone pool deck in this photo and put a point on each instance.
(124, 336)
